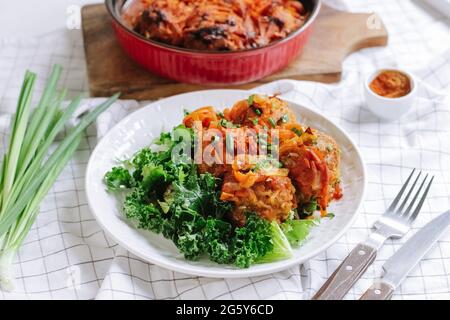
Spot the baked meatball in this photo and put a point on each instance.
(272, 198)
(313, 166)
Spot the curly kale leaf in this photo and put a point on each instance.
(193, 202)
(118, 178)
(142, 158)
(155, 179)
(201, 194)
(252, 241)
(217, 238)
(172, 155)
(147, 215)
(186, 229)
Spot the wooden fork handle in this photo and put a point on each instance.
(346, 275)
(378, 291)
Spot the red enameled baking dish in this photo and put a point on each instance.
(211, 68)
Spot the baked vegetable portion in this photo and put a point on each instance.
(216, 25)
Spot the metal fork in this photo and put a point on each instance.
(394, 223)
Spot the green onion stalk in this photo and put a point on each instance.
(29, 169)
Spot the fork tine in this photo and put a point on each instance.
(413, 201)
(399, 195)
(422, 200)
(399, 210)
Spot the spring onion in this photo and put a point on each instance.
(297, 131)
(29, 169)
(250, 100)
(272, 123)
(285, 118)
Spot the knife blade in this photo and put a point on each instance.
(407, 257)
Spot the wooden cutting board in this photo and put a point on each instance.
(335, 35)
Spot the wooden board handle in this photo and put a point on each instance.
(348, 272)
(378, 291)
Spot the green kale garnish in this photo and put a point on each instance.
(118, 178)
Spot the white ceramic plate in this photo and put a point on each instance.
(138, 130)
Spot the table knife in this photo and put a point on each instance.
(406, 258)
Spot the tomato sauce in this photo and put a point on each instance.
(391, 84)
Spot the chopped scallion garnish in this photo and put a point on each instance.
(272, 123)
(297, 131)
(250, 100)
(223, 123)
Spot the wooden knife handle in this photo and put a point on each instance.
(349, 271)
(378, 291)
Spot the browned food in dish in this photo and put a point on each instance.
(311, 156)
(272, 197)
(308, 168)
(215, 25)
(313, 163)
(270, 112)
(332, 156)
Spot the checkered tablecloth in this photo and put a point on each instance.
(68, 256)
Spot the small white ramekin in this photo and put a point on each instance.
(389, 108)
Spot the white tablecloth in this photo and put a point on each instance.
(67, 255)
